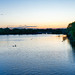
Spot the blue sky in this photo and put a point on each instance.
(40, 13)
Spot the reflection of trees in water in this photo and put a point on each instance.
(72, 51)
(64, 38)
(72, 43)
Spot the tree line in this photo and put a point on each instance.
(71, 31)
(8, 31)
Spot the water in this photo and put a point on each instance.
(43, 54)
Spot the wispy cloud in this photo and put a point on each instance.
(30, 26)
(1, 14)
(25, 26)
(22, 27)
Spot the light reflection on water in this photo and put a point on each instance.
(36, 55)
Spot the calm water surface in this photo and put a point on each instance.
(43, 54)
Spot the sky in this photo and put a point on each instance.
(37, 13)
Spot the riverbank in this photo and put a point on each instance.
(71, 33)
(7, 31)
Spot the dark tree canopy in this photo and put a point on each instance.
(31, 31)
(71, 29)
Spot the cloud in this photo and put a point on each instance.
(22, 27)
(25, 26)
(1, 14)
(31, 26)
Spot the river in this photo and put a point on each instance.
(42, 54)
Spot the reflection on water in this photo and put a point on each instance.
(72, 52)
(36, 55)
(64, 38)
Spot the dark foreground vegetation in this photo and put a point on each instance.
(71, 33)
(7, 31)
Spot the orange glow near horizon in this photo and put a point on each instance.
(38, 26)
(44, 27)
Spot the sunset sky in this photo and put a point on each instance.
(37, 13)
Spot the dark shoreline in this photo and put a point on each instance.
(71, 33)
(16, 31)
